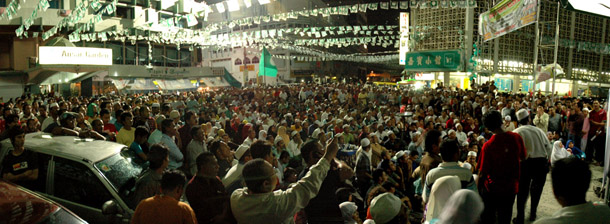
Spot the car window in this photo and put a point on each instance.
(76, 183)
(62, 217)
(121, 173)
(43, 167)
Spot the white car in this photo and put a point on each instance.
(91, 178)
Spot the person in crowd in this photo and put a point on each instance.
(138, 147)
(499, 167)
(32, 125)
(294, 145)
(535, 167)
(234, 179)
(575, 150)
(166, 207)
(559, 152)
(440, 192)
(449, 167)
(20, 166)
(575, 123)
(364, 168)
(67, 127)
(430, 160)
(388, 208)
(149, 182)
(126, 134)
(571, 178)
(223, 154)
(195, 147)
(463, 207)
(257, 203)
(185, 131)
(349, 212)
(376, 149)
(52, 118)
(176, 158)
(508, 124)
(206, 193)
(597, 134)
(541, 120)
(325, 206)
(157, 135)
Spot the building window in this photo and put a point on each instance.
(246, 61)
(255, 60)
(55, 4)
(238, 61)
(185, 58)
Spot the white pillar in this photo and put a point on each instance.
(446, 79)
(516, 83)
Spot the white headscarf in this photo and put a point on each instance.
(442, 189)
(463, 207)
(262, 135)
(347, 211)
(558, 152)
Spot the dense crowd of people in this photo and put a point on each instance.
(335, 153)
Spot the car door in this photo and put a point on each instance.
(75, 186)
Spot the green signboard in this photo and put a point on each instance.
(433, 61)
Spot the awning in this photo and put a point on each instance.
(596, 7)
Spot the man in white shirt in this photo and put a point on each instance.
(542, 119)
(53, 109)
(571, 178)
(258, 203)
(534, 168)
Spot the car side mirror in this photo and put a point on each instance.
(110, 208)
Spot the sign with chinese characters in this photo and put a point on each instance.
(433, 61)
(404, 37)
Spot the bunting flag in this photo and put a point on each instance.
(266, 66)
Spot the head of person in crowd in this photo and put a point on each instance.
(105, 115)
(523, 116)
(221, 150)
(11, 120)
(243, 154)
(172, 184)
(464, 206)
(207, 165)
(141, 135)
(32, 125)
(127, 120)
(571, 178)
(16, 135)
(158, 157)
(168, 127)
(259, 176)
(68, 120)
(175, 116)
(388, 208)
(311, 152)
(191, 118)
(450, 150)
(197, 133)
(379, 176)
(493, 121)
(433, 141)
(349, 212)
(144, 112)
(365, 143)
(261, 149)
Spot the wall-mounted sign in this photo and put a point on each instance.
(74, 56)
(404, 37)
(433, 61)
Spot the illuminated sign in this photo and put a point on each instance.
(74, 56)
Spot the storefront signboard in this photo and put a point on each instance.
(433, 61)
(74, 56)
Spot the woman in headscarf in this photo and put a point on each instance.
(442, 189)
(262, 135)
(558, 152)
(281, 131)
(463, 207)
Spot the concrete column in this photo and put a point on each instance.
(516, 83)
(86, 87)
(496, 57)
(446, 79)
(469, 32)
(568, 70)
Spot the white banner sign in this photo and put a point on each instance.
(404, 37)
(507, 16)
(74, 56)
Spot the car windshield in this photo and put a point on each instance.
(121, 173)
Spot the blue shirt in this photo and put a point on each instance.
(175, 156)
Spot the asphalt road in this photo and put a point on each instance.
(548, 205)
